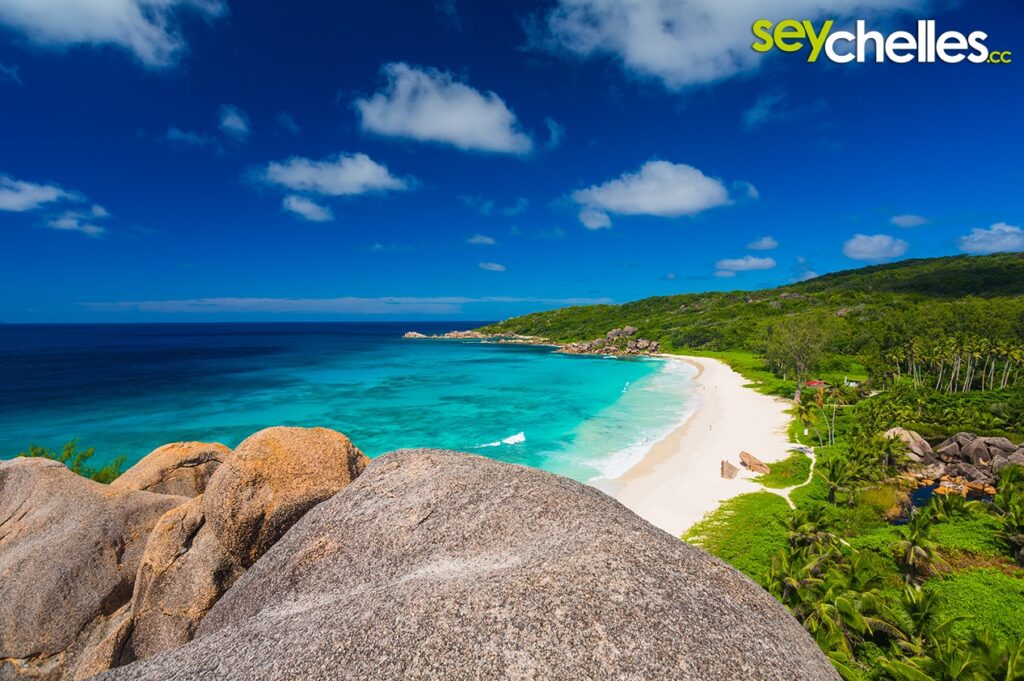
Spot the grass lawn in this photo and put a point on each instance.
(745, 531)
(788, 472)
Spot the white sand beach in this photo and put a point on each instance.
(679, 480)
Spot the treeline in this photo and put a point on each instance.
(959, 364)
(959, 319)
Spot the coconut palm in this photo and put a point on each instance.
(804, 412)
(835, 472)
(809, 529)
(917, 550)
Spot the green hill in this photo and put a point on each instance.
(867, 314)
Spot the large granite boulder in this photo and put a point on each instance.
(273, 478)
(184, 571)
(444, 565)
(254, 498)
(976, 452)
(1000, 444)
(182, 468)
(69, 552)
(919, 449)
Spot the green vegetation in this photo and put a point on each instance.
(849, 323)
(77, 461)
(747, 546)
(935, 346)
(986, 599)
(789, 472)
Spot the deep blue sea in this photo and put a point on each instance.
(129, 388)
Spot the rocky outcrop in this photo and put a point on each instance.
(919, 451)
(136, 571)
(70, 549)
(274, 477)
(414, 334)
(615, 342)
(184, 571)
(438, 565)
(624, 332)
(181, 468)
(752, 463)
(967, 463)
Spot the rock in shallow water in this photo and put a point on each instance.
(437, 564)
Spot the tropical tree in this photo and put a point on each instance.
(835, 472)
(917, 550)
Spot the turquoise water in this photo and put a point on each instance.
(127, 389)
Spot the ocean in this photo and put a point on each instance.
(129, 388)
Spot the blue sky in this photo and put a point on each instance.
(220, 160)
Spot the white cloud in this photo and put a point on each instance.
(659, 188)
(146, 28)
(773, 106)
(748, 263)
(766, 108)
(431, 106)
(747, 189)
(450, 14)
(343, 175)
(99, 211)
(307, 209)
(999, 238)
(481, 240)
(234, 122)
(874, 247)
(518, 208)
(682, 43)
(18, 196)
(909, 220)
(10, 73)
(486, 206)
(345, 305)
(556, 131)
(287, 122)
(77, 222)
(594, 218)
(492, 267)
(765, 243)
(187, 137)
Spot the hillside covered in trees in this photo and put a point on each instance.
(947, 320)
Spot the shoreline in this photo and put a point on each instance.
(678, 480)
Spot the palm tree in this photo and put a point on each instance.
(1012, 530)
(1001, 662)
(803, 410)
(793, 578)
(835, 472)
(917, 550)
(926, 623)
(809, 529)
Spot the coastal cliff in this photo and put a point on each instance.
(299, 558)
